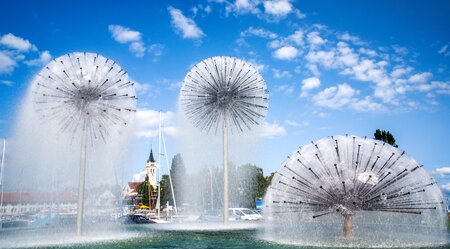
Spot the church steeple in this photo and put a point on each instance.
(151, 159)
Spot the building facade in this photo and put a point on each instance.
(15, 203)
(150, 169)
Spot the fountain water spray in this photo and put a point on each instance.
(224, 92)
(87, 96)
(349, 174)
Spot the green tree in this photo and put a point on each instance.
(248, 184)
(166, 193)
(143, 189)
(267, 181)
(385, 136)
(178, 174)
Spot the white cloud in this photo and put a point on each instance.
(324, 58)
(446, 187)
(345, 96)
(137, 48)
(147, 123)
(43, 59)
(400, 50)
(443, 171)
(368, 52)
(320, 114)
(399, 72)
(296, 124)
(278, 8)
(156, 49)
(183, 25)
(366, 104)
(139, 177)
(420, 77)
(351, 38)
(260, 32)
(369, 70)
(245, 6)
(297, 37)
(200, 7)
(269, 10)
(314, 39)
(6, 82)
(286, 53)
(275, 44)
(270, 130)
(444, 50)
(145, 90)
(279, 74)
(313, 69)
(439, 87)
(309, 84)
(18, 43)
(442, 87)
(346, 57)
(7, 64)
(257, 65)
(335, 97)
(175, 86)
(299, 14)
(285, 89)
(123, 34)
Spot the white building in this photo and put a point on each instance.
(150, 169)
(15, 203)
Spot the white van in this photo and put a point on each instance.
(245, 213)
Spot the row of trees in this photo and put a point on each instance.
(385, 136)
(203, 189)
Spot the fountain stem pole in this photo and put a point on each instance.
(348, 226)
(80, 206)
(225, 172)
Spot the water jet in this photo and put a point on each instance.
(86, 96)
(371, 188)
(224, 92)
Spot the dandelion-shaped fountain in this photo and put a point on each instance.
(359, 182)
(87, 96)
(224, 92)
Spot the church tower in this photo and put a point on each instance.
(150, 169)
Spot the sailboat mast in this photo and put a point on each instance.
(158, 203)
(1, 172)
(170, 175)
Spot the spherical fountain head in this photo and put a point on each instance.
(224, 89)
(339, 177)
(84, 92)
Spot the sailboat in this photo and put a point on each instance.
(162, 144)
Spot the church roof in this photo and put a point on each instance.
(151, 159)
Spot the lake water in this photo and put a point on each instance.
(148, 236)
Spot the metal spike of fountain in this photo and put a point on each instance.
(86, 96)
(349, 174)
(224, 92)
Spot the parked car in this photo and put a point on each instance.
(246, 214)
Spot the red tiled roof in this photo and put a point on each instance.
(134, 185)
(27, 197)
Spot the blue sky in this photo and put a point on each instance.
(332, 67)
